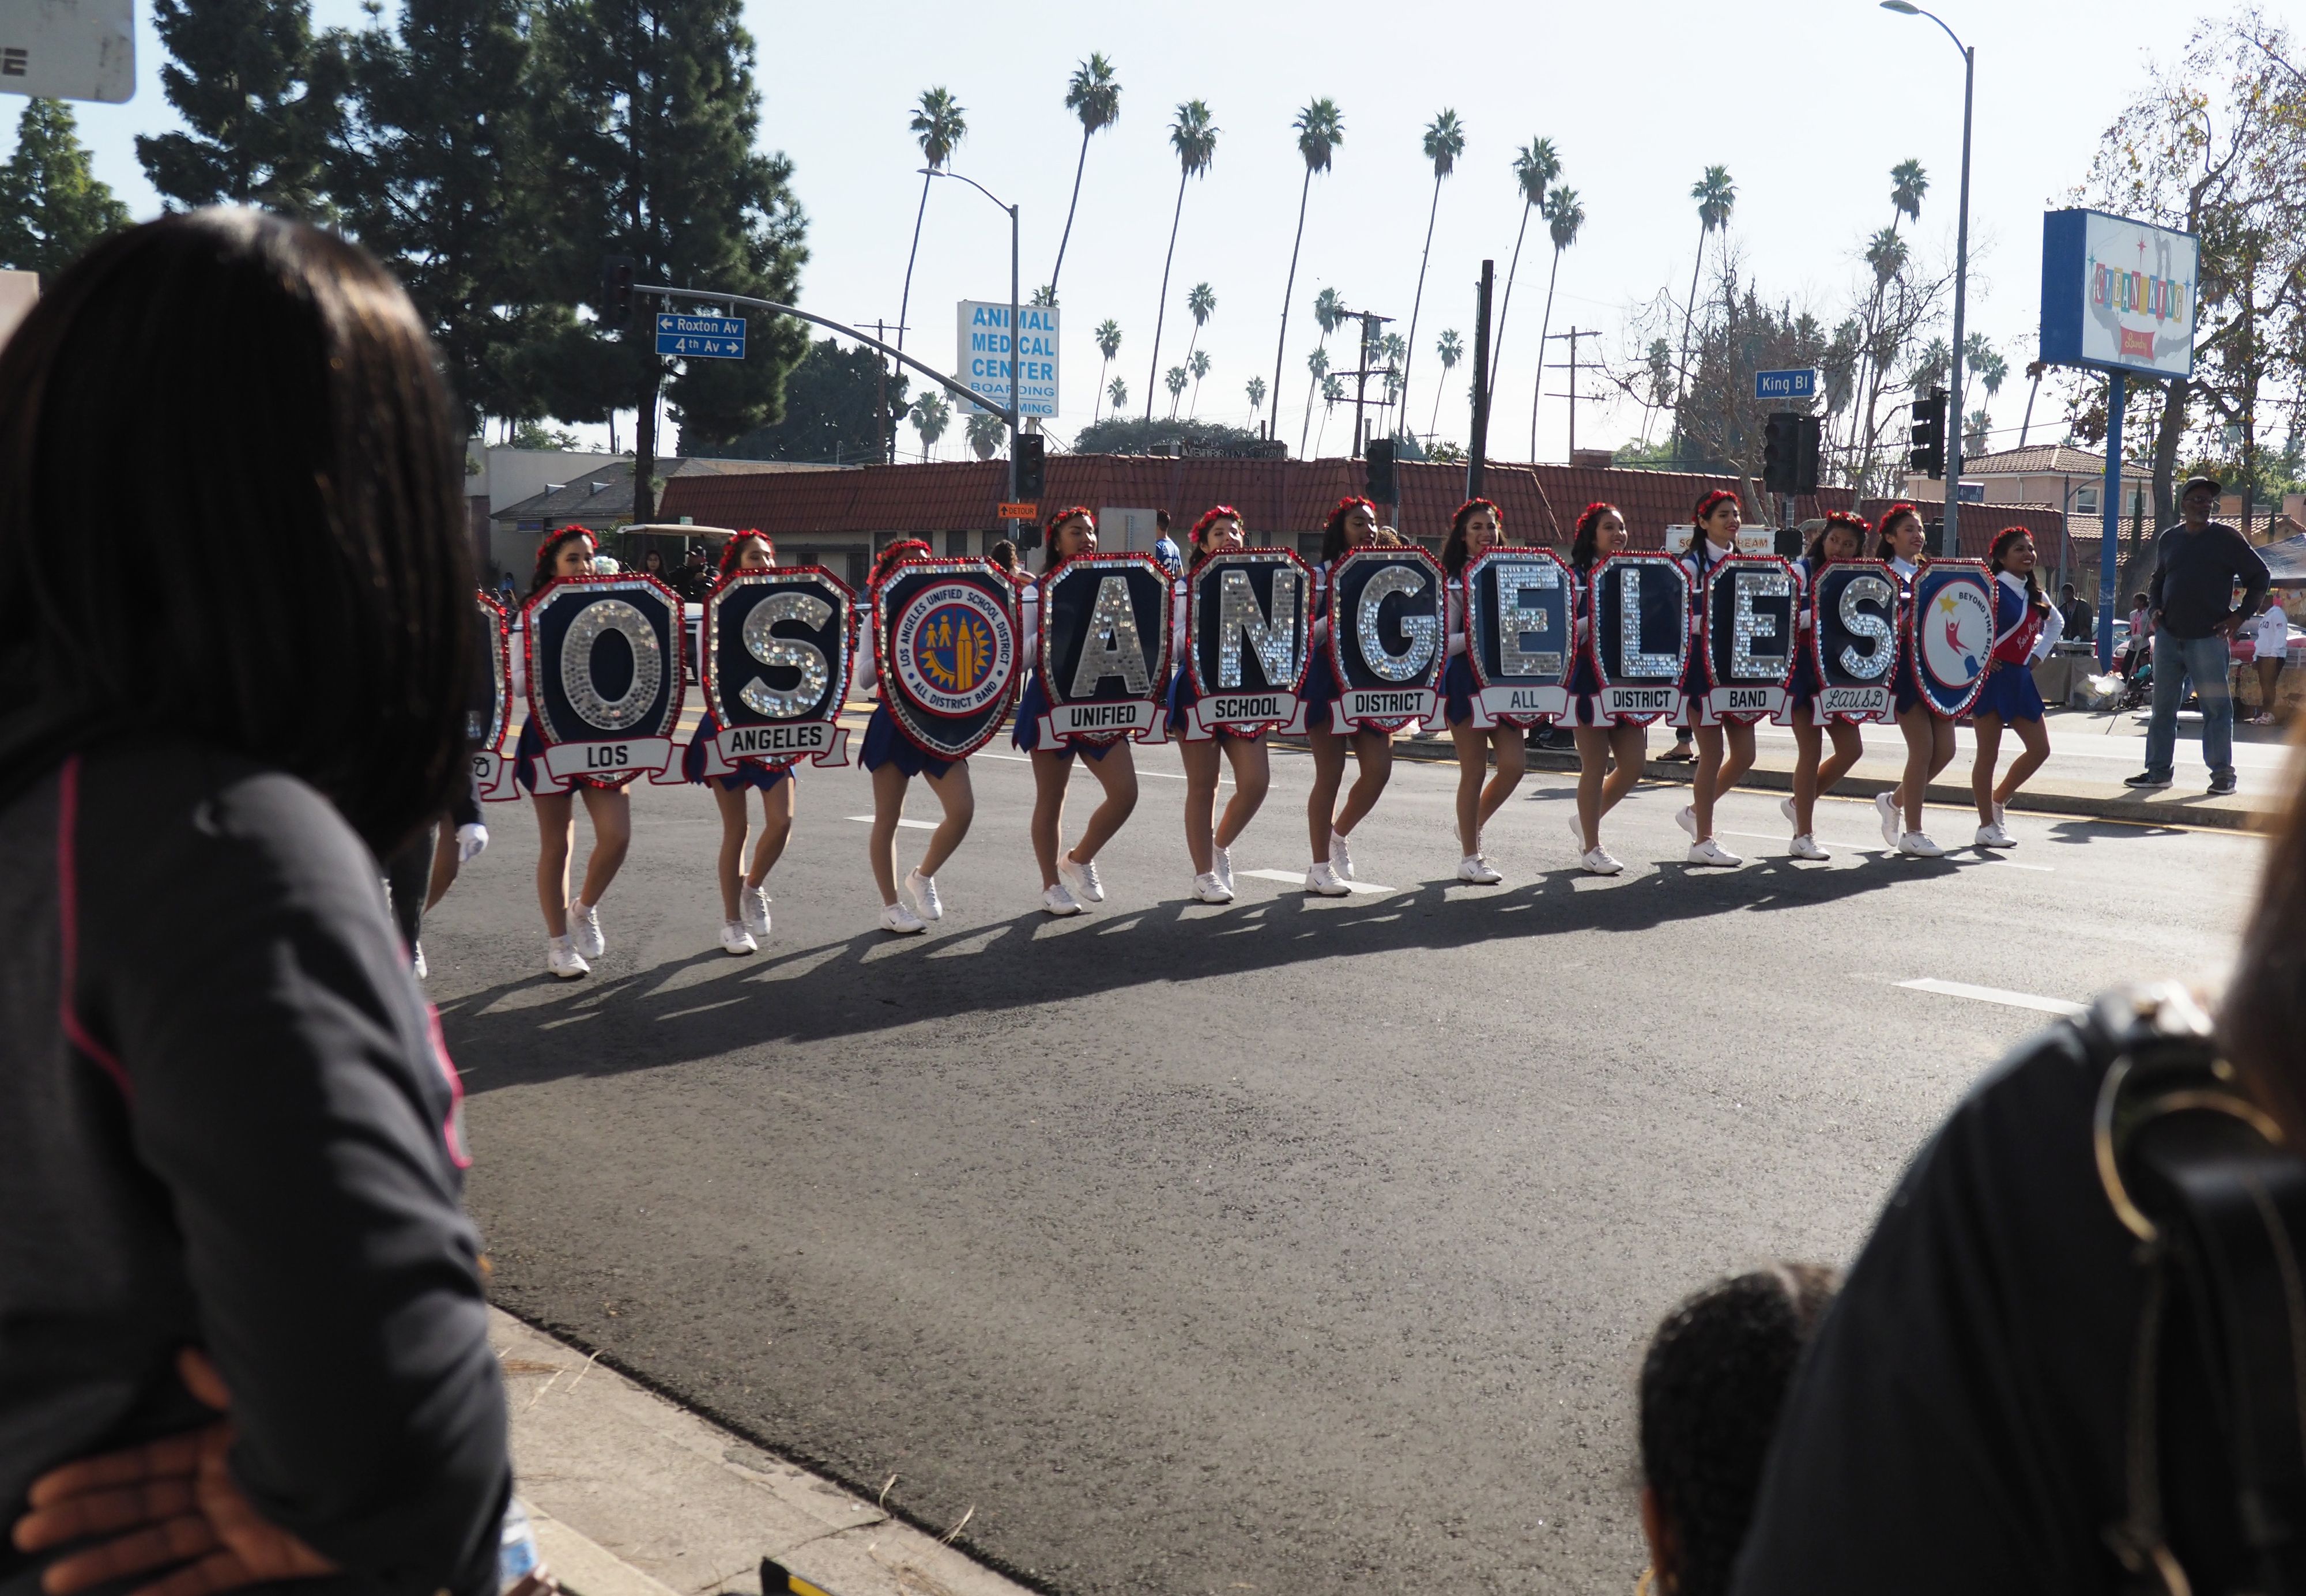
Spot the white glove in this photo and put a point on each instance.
(471, 839)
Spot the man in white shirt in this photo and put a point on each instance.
(2272, 638)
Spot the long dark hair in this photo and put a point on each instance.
(1888, 523)
(728, 555)
(1585, 542)
(548, 552)
(1700, 548)
(1333, 534)
(2035, 599)
(1453, 546)
(259, 397)
(902, 548)
(1856, 523)
(1210, 517)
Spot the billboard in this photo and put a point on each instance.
(983, 361)
(2118, 294)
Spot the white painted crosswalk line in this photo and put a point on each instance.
(1296, 878)
(1994, 995)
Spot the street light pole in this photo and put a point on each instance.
(1013, 415)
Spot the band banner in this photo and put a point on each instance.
(1640, 638)
(1388, 635)
(1949, 628)
(776, 668)
(1747, 633)
(944, 641)
(1247, 621)
(604, 677)
(1105, 649)
(487, 707)
(1520, 616)
(1853, 606)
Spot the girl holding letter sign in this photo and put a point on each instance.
(1842, 538)
(1619, 747)
(1351, 526)
(1929, 736)
(1208, 840)
(1477, 527)
(1725, 752)
(2024, 632)
(743, 893)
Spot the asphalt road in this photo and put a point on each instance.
(1291, 1246)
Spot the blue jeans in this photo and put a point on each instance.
(2204, 660)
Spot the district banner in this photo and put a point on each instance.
(1105, 649)
(1389, 626)
(1520, 620)
(1640, 636)
(944, 640)
(776, 668)
(1248, 620)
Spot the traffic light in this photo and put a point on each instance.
(1780, 451)
(1928, 453)
(617, 289)
(1378, 481)
(1032, 472)
(1808, 452)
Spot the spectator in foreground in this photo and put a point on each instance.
(230, 1160)
(2197, 564)
(2271, 652)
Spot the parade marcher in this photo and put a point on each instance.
(1352, 525)
(744, 891)
(894, 760)
(1843, 537)
(1929, 735)
(1725, 752)
(1477, 527)
(2025, 629)
(572, 928)
(1208, 840)
(1608, 757)
(1069, 880)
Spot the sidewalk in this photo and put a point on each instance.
(634, 1495)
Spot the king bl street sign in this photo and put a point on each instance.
(701, 337)
(1787, 385)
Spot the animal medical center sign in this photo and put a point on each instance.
(985, 357)
(2117, 294)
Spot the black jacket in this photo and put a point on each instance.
(2194, 577)
(225, 1121)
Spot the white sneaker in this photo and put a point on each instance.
(1993, 836)
(1341, 856)
(1886, 806)
(1223, 860)
(1324, 881)
(1056, 900)
(897, 918)
(925, 894)
(1919, 845)
(584, 929)
(752, 909)
(1805, 846)
(562, 960)
(2000, 816)
(1786, 808)
(1686, 817)
(1210, 888)
(1598, 862)
(416, 961)
(1709, 852)
(1476, 869)
(1080, 880)
(1577, 828)
(736, 939)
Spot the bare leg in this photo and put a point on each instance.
(1987, 730)
(733, 823)
(959, 800)
(777, 806)
(1511, 743)
(1252, 773)
(1472, 743)
(1808, 743)
(1849, 748)
(556, 827)
(1051, 771)
(1320, 804)
(1373, 755)
(1628, 749)
(1201, 761)
(889, 785)
(1941, 755)
(1601, 785)
(1709, 746)
(2035, 736)
(610, 811)
(1914, 724)
(1116, 773)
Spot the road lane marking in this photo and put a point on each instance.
(1297, 879)
(1995, 995)
(918, 825)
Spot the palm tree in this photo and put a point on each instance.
(1984, 362)
(1908, 184)
(1886, 254)
(931, 416)
(1108, 344)
(1118, 391)
(1535, 166)
(1320, 129)
(1094, 95)
(1203, 304)
(1445, 142)
(1716, 196)
(1174, 381)
(1194, 137)
(1328, 310)
(1256, 391)
(986, 430)
(1332, 390)
(939, 122)
(1199, 365)
(1449, 348)
(1563, 217)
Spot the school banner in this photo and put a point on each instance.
(1105, 649)
(1853, 607)
(1389, 636)
(1950, 627)
(1520, 620)
(944, 639)
(1248, 620)
(1640, 637)
(776, 668)
(604, 677)
(1747, 636)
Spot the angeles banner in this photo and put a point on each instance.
(944, 641)
(1247, 625)
(1747, 633)
(489, 705)
(1640, 636)
(1388, 635)
(1854, 634)
(776, 668)
(604, 677)
(1520, 614)
(1104, 649)
(1950, 627)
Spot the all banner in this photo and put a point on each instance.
(1853, 607)
(1640, 637)
(1247, 621)
(944, 640)
(1949, 628)
(1105, 649)
(487, 707)
(776, 668)
(1388, 622)
(604, 678)
(1747, 633)
(1520, 620)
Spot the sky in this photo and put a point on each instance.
(1808, 103)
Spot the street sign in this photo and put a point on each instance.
(1019, 512)
(983, 361)
(1804, 384)
(701, 337)
(69, 49)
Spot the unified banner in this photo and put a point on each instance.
(1949, 628)
(487, 706)
(1388, 620)
(1640, 636)
(604, 678)
(1105, 649)
(776, 668)
(1520, 635)
(944, 640)
(1853, 606)
(1248, 620)
(1747, 632)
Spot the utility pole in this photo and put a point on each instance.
(1480, 435)
(1573, 396)
(1371, 321)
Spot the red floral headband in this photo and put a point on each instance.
(1899, 508)
(1457, 518)
(1592, 514)
(1210, 518)
(729, 550)
(1851, 519)
(562, 534)
(1707, 505)
(1064, 515)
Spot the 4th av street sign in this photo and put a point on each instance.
(1787, 385)
(701, 337)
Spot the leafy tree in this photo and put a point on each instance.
(1320, 129)
(1133, 435)
(988, 431)
(1093, 95)
(535, 434)
(1194, 137)
(1535, 166)
(1563, 217)
(53, 208)
(242, 73)
(830, 397)
(1445, 142)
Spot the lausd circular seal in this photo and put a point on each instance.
(950, 642)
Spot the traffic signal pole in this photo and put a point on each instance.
(1960, 297)
(1479, 447)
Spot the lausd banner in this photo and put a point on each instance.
(1520, 620)
(1951, 630)
(1104, 649)
(1247, 622)
(1389, 636)
(776, 668)
(944, 641)
(1854, 630)
(1641, 636)
(604, 677)
(488, 707)
(1747, 633)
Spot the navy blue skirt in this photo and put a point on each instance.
(2011, 694)
(1801, 687)
(1319, 692)
(747, 774)
(885, 745)
(528, 752)
(1458, 690)
(1584, 691)
(1025, 731)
